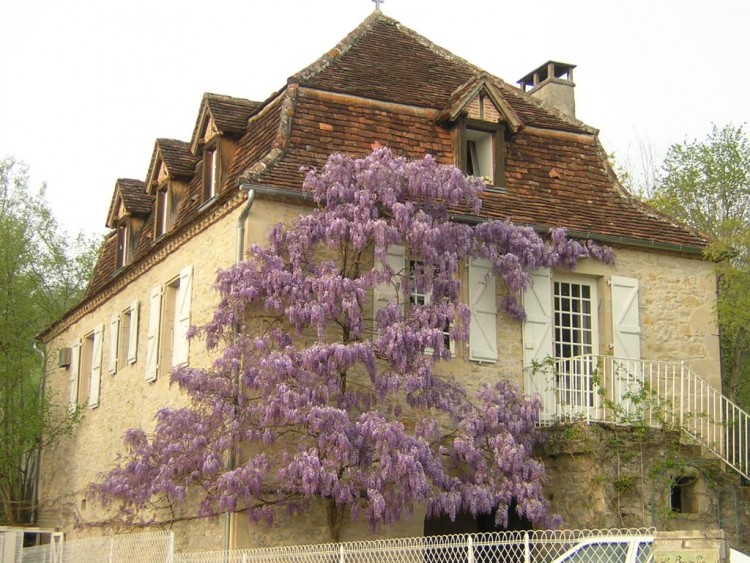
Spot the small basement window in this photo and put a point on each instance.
(682, 496)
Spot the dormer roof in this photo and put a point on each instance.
(129, 198)
(172, 158)
(222, 115)
(480, 86)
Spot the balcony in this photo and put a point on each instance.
(655, 394)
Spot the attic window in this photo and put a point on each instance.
(479, 155)
(211, 172)
(123, 243)
(481, 150)
(167, 204)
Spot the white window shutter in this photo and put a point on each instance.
(154, 324)
(538, 340)
(75, 373)
(626, 323)
(133, 337)
(181, 345)
(114, 334)
(96, 367)
(387, 292)
(483, 303)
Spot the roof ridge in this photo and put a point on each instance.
(343, 46)
(338, 50)
(227, 98)
(288, 101)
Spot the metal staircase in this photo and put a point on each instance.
(656, 394)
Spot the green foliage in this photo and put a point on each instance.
(42, 274)
(706, 184)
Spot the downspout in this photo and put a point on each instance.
(37, 468)
(247, 188)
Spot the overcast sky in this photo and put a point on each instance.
(87, 86)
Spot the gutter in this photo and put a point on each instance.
(610, 239)
(38, 466)
(241, 221)
(306, 197)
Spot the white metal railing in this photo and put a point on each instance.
(537, 546)
(658, 394)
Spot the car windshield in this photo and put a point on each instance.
(604, 552)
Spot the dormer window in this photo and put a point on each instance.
(167, 205)
(482, 151)
(123, 243)
(212, 175)
(479, 155)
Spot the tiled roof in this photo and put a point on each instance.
(553, 180)
(230, 114)
(134, 197)
(177, 157)
(384, 84)
(384, 60)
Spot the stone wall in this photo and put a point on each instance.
(677, 301)
(697, 546)
(607, 476)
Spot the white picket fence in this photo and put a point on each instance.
(536, 546)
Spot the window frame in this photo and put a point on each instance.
(472, 130)
(213, 172)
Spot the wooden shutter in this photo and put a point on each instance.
(387, 292)
(538, 340)
(96, 367)
(483, 303)
(626, 324)
(154, 323)
(75, 373)
(133, 336)
(114, 335)
(181, 345)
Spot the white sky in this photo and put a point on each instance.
(87, 86)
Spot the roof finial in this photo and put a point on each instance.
(378, 3)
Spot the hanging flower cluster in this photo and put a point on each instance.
(322, 396)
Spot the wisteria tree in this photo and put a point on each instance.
(316, 396)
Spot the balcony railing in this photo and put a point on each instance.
(656, 394)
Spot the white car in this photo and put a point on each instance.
(610, 549)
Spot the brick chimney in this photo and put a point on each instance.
(552, 84)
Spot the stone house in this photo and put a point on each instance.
(384, 84)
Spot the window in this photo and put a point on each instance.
(85, 369)
(123, 244)
(167, 206)
(128, 335)
(481, 150)
(479, 155)
(387, 293)
(575, 319)
(211, 173)
(168, 325)
(576, 332)
(418, 297)
(87, 363)
(682, 497)
(128, 231)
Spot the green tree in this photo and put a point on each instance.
(706, 184)
(42, 274)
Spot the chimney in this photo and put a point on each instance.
(552, 84)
